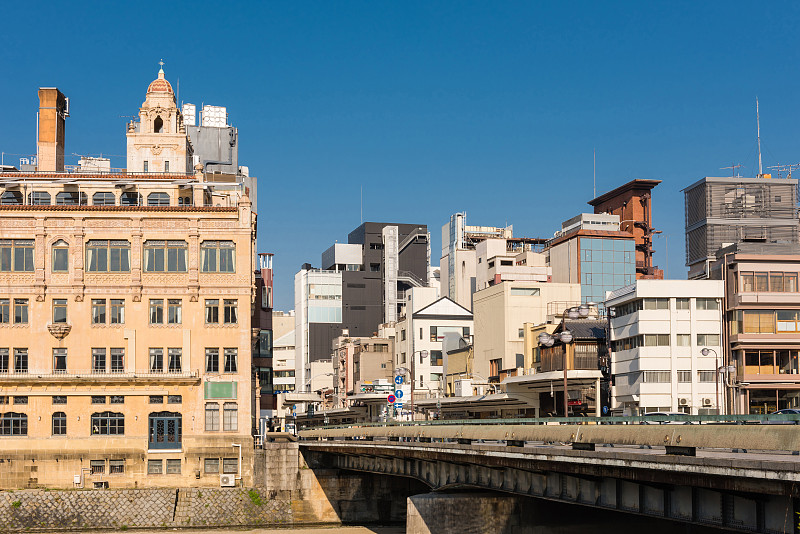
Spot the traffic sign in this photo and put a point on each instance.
(398, 380)
(398, 405)
(399, 393)
(391, 399)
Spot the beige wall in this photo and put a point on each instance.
(499, 316)
(76, 226)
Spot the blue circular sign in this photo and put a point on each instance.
(605, 410)
(399, 393)
(398, 379)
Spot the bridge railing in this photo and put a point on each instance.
(676, 434)
(750, 419)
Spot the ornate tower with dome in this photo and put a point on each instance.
(158, 142)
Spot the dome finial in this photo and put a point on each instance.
(161, 70)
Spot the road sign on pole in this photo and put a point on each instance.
(398, 393)
(391, 399)
(398, 379)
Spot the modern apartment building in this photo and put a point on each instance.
(361, 285)
(591, 250)
(761, 338)
(658, 331)
(420, 338)
(125, 322)
(723, 211)
(501, 312)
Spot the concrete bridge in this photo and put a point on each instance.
(737, 477)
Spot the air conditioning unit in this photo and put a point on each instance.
(227, 481)
(706, 402)
(683, 402)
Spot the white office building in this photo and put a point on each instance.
(658, 330)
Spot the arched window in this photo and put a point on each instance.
(71, 198)
(59, 424)
(158, 125)
(184, 201)
(103, 198)
(130, 199)
(60, 256)
(39, 198)
(108, 424)
(165, 430)
(10, 198)
(13, 424)
(158, 199)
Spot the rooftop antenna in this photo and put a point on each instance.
(362, 204)
(758, 133)
(594, 173)
(733, 168)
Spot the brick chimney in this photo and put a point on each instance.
(53, 111)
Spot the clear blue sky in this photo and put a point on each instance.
(492, 108)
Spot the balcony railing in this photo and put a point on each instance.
(49, 374)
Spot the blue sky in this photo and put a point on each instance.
(493, 108)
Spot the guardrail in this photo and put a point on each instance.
(679, 439)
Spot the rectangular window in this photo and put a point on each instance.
(706, 376)
(104, 256)
(116, 399)
(20, 360)
(117, 360)
(230, 419)
(21, 399)
(776, 282)
(16, 255)
(59, 360)
(98, 399)
(683, 340)
(218, 256)
(156, 360)
(656, 377)
(156, 311)
(212, 311)
(747, 282)
(402, 335)
(173, 467)
(116, 467)
(708, 340)
(165, 256)
(59, 310)
(146, 168)
(707, 304)
(60, 257)
(524, 291)
(761, 282)
(117, 311)
(684, 377)
(98, 311)
(59, 399)
(154, 467)
(98, 360)
(682, 304)
(98, 467)
(212, 360)
(656, 340)
(5, 311)
(20, 311)
(174, 311)
(59, 424)
(758, 322)
(787, 320)
(230, 361)
(212, 416)
(175, 364)
(230, 466)
(231, 316)
(211, 465)
(174, 399)
(156, 399)
(4, 360)
(790, 282)
(656, 304)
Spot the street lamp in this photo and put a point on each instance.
(719, 369)
(565, 337)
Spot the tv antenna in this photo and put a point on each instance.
(758, 136)
(732, 168)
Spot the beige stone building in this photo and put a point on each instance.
(125, 335)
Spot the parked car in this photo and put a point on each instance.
(785, 411)
(665, 414)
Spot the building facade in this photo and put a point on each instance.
(125, 329)
(658, 330)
